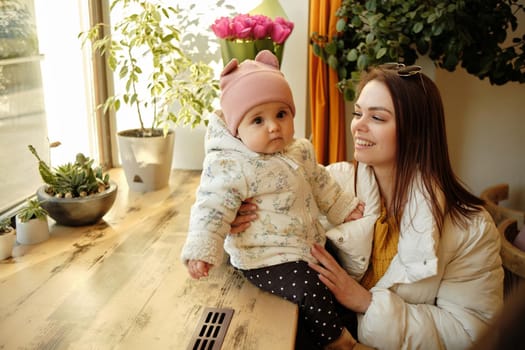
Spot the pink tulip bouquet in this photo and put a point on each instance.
(244, 35)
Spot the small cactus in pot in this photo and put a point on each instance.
(71, 180)
(75, 194)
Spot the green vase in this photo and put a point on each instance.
(268, 44)
(242, 50)
(270, 8)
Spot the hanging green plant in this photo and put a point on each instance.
(469, 33)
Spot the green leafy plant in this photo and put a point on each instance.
(71, 180)
(146, 51)
(5, 226)
(470, 33)
(31, 210)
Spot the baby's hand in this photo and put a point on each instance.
(357, 213)
(198, 268)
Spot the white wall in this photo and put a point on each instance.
(486, 132)
(295, 61)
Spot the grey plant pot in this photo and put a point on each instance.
(78, 211)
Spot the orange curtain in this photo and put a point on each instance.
(326, 102)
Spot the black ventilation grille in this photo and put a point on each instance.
(211, 329)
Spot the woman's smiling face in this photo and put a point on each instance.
(374, 126)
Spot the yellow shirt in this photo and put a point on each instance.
(384, 248)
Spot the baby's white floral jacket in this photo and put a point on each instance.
(290, 189)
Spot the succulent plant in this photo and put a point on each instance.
(5, 226)
(32, 210)
(71, 180)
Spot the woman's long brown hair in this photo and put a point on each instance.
(422, 147)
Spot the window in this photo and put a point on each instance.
(42, 92)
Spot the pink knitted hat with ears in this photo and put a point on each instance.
(251, 83)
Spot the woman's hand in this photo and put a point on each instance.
(345, 289)
(245, 215)
(198, 268)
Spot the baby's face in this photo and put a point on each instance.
(267, 128)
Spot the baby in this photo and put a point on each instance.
(251, 153)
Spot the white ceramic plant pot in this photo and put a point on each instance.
(32, 232)
(146, 160)
(7, 242)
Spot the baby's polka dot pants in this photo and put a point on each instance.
(298, 283)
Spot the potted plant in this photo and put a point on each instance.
(163, 85)
(31, 223)
(451, 33)
(75, 194)
(7, 238)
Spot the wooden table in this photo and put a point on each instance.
(120, 284)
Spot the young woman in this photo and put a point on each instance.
(435, 279)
